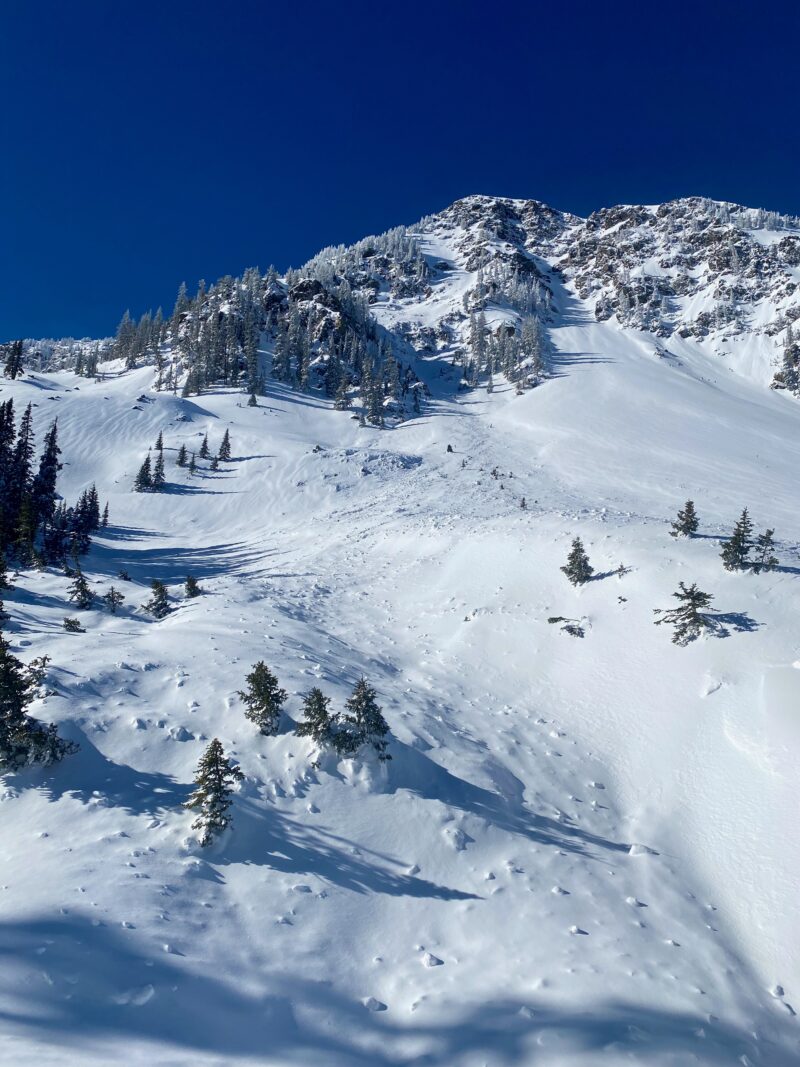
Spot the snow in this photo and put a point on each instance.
(583, 851)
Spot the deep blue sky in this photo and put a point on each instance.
(145, 143)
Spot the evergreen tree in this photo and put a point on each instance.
(13, 364)
(5, 582)
(317, 721)
(252, 401)
(72, 625)
(158, 479)
(263, 699)
(158, 604)
(578, 569)
(688, 620)
(363, 723)
(211, 798)
(24, 741)
(765, 559)
(144, 479)
(43, 491)
(159, 445)
(182, 456)
(685, 525)
(736, 551)
(214, 466)
(113, 599)
(104, 519)
(192, 464)
(224, 453)
(204, 452)
(192, 587)
(80, 593)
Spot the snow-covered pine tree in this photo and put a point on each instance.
(736, 551)
(144, 479)
(158, 604)
(72, 625)
(182, 458)
(686, 523)
(192, 587)
(317, 721)
(24, 741)
(204, 452)
(211, 798)
(192, 464)
(363, 723)
(80, 593)
(159, 445)
(113, 598)
(765, 558)
(578, 569)
(263, 699)
(688, 619)
(158, 478)
(224, 453)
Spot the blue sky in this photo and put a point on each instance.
(147, 143)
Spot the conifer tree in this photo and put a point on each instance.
(765, 559)
(80, 593)
(182, 456)
(43, 491)
(5, 581)
(688, 619)
(224, 453)
(252, 401)
(24, 741)
(13, 363)
(363, 723)
(158, 604)
(317, 721)
(159, 445)
(192, 464)
(158, 479)
(263, 699)
(578, 569)
(736, 551)
(104, 519)
(214, 466)
(72, 625)
(686, 523)
(192, 587)
(144, 479)
(204, 452)
(113, 599)
(211, 798)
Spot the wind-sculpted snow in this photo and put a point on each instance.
(584, 848)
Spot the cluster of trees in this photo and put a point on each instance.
(36, 526)
(12, 360)
(151, 476)
(688, 619)
(83, 597)
(24, 740)
(788, 374)
(361, 724)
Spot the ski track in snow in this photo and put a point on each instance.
(582, 851)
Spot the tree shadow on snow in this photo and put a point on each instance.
(98, 988)
(266, 837)
(721, 624)
(92, 778)
(416, 772)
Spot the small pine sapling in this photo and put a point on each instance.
(72, 625)
(577, 569)
(224, 453)
(192, 587)
(688, 619)
(113, 598)
(183, 455)
(204, 450)
(158, 604)
(686, 523)
(214, 781)
(317, 722)
(80, 593)
(765, 558)
(736, 550)
(362, 724)
(263, 699)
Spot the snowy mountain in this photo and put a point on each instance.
(583, 849)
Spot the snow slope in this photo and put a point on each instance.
(584, 851)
